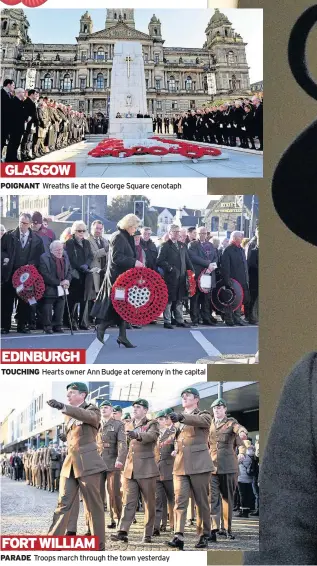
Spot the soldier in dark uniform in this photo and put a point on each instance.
(140, 472)
(192, 467)
(82, 468)
(54, 466)
(165, 462)
(112, 445)
(222, 438)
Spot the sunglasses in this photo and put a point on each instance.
(80, 230)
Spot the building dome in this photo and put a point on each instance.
(218, 19)
(154, 19)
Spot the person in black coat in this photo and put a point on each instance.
(173, 258)
(18, 247)
(80, 257)
(234, 266)
(6, 111)
(56, 272)
(202, 255)
(30, 133)
(258, 120)
(288, 474)
(17, 125)
(253, 268)
(149, 247)
(121, 258)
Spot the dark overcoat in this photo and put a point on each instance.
(10, 246)
(234, 266)
(48, 271)
(175, 261)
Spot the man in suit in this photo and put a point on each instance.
(258, 120)
(203, 255)
(192, 467)
(223, 436)
(149, 248)
(31, 130)
(7, 92)
(173, 258)
(56, 272)
(83, 465)
(140, 472)
(234, 266)
(19, 247)
(100, 248)
(112, 445)
(165, 462)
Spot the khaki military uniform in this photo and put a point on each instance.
(192, 469)
(164, 483)
(223, 439)
(140, 473)
(81, 469)
(54, 468)
(35, 467)
(27, 467)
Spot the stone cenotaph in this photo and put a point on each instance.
(128, 93)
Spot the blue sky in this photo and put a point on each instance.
(180, 28)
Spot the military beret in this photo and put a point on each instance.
(160, 414)
(191, 390)
(126, 416)
(82, 387)
(143, 402)
(105, 404)
(218, 402)
(168, 411)
(117, 409)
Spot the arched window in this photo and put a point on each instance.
(172, 84)
(100, 81)
(115, 15)
(67, 85)
(231, 58)
(4, 25)
(188, 83)
(155, 31)
(100, 54)
(215, 224)
(124, 16)
(47, 83)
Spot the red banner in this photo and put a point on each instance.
(38, 169)
(28, 542)
(43, 356)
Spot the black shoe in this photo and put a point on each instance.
(240, 322)
(254, 513)
(229, 323)
(182, 325)
(173, 322)
(163, 529)
(58, 329)
(203, 542)
(190, 522)
(101, 329)
(70, 534)
(84, 327)
(147, 539)
(176, 543)
(156, 533)
(134, 521)
(125, 342)
(4, 331)
(230, 536)
(112, 525)
(245, 513)
(213, 535)
(121, 536)
(23, 330)
(48, 330)
(209, 323)
(168, 325)
(195, 324)
(87, 533)
(239, 514)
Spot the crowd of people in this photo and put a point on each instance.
(80, 268)
(190, 467)
(34, 125)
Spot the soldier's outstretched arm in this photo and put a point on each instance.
(202, 421)
(90, 416)
(151, 435)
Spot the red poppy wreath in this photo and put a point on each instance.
(28, 283)
(191, 283)
(139, 295)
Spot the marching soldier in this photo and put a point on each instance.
(83, 466)
(27, 466)
(54, 466)
(126, 419)
(165, 462)
(192, 467)
(223, 440)
(112, 444)
(34, 467)
(140, 472)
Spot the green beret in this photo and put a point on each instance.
(218, 402)
(191, 390)
(126, 416)
(160, 414)
(82, 387)
(105, 404)
(117, 409)
(168, 411)
(143, 402)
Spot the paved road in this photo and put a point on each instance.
(155, 344)
(240, 164)
(28, 511)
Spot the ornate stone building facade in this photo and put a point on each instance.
(225, 214)
(80, 74)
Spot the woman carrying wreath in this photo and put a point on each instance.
(122, 257)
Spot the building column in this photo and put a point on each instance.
(76, 78)
(18, 78)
